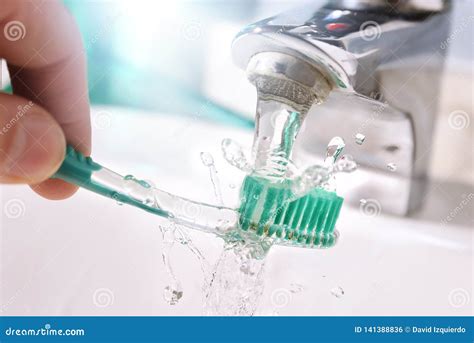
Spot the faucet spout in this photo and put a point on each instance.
(357, 67)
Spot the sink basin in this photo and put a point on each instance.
(89, 256)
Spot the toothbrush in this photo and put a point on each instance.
(268, 209)
(85, 173)
(271, 209)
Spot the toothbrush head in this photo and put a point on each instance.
(272, 209)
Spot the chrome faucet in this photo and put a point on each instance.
(358, 67)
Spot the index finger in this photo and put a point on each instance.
(46, 60)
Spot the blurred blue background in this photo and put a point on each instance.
(152, 54)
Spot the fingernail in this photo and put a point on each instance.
(35, 149)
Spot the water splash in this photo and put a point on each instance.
(338, 292)
(345, 164)
(236, 284)
(277, 127)
(173, 292)
(234, 155)
(392, 167)
(208, 161)
(324, 175)
(333, 150)
(233, 286)
(296, 288)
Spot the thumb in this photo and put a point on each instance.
(32, 144)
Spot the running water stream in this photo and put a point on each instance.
(234, 284)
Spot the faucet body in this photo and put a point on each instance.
(383, 61)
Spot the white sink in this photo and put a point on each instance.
(89, 256)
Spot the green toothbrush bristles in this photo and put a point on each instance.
(271, 209)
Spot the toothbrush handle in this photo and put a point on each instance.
(79, 170)
(84, 172)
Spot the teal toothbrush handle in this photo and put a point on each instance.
(79, 170)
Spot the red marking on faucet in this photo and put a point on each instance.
(336, 26)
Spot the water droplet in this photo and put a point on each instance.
(222, 224)
(363, 201)
(296, 288)
(149, 201)
(359, 138)
(245, 268)
(314, 176)
(392, 166)
(334, 149)
(150, 183)
(116, 196)
(234, 154)
(255, 196)
(346, 164)
(172, 294)
(231, 185)
(207, 159)
(338, 292)
(128, 177)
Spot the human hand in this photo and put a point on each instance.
(49, 105)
